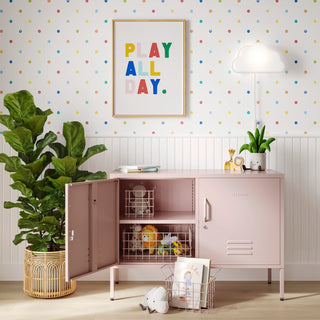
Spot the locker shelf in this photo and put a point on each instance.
(163, 217)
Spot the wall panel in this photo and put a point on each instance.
(298, 158)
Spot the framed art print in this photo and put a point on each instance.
(148, 68)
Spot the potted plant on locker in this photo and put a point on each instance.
(40, 176)
(257, 147)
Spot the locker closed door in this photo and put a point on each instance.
(239, 220)
(91, 227)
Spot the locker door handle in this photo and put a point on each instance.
(205, 207)
(71, 235)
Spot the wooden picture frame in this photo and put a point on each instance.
(148, 68)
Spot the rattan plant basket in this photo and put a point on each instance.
(44, 274)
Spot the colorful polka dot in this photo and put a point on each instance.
(210, 80)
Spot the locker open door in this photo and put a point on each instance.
(91, 227)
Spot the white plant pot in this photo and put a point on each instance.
(258, 161)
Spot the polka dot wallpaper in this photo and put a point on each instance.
(61, 51)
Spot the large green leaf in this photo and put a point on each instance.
(43, 113)
(66, 166)
(24, 175)
(27, 223)
(92, 151)
(59, 148)
(39, 165)
(73, 132)
(266, 145)
(27, 192)
(20, 105)
(49, 138)
(50, 220)
(52, 173)
(23, 214)
(39, 188)
(94, 176)
(23, 206)
(81, 174)
(46, 227)
(255, 147)
(20, 139)
(35, 124)
(261, 135)
(33, 238)
(256, 135)
(251, 136)
(60, 182)
(270, 140)
(18, 238)
(251, 146)
(244, 147)
(34, 202)
(12, 163)
(42, 247)
(7, 121)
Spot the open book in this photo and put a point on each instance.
(186, 286)
(206, 276)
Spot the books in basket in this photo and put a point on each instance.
(139, 168)
(186, 286)
(205, 278)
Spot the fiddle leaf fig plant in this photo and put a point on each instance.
(257, 142)
(41, 169)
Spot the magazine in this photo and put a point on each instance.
(206, 276)
(186, 287)
(139, 168)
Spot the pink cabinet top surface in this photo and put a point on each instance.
(164, 174)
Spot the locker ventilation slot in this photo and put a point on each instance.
(239, 247)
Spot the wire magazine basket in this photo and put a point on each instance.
(134, 248)
(199, 297)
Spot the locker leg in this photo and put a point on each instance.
(112, 284)
(281, 284)
(117, 275)
(269, 275)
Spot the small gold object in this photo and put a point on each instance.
(235, 165)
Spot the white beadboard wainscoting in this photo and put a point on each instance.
(297, 157)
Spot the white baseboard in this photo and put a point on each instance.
(293, 272)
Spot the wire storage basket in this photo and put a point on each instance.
(198, 297)
(156, 243)
(139, 203)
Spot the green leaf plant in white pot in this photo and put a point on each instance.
(257, 148)
(39, 170)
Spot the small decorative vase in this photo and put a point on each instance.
(258, 161)
(44, 275)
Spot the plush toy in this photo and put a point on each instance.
(166, 246)
(181, 249)
(235, 165)
(156, 299)
(149, 236)
(135, 244)
(140, 205)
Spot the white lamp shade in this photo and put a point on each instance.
(257, 58)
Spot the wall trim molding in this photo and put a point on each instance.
(293, 272)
